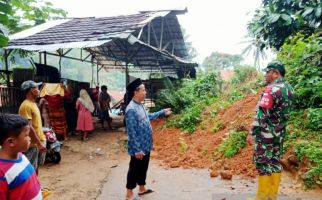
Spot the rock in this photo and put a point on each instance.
(285, 164)
(214, 173)
(225, 174)
(174, 165)
(293, 160)
(226, 167)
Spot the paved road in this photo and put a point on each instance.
(195, 184)
(178, 184)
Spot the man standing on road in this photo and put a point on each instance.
(139, 138)
(29, 110)
(269, 129)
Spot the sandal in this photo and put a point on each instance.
(148, 191)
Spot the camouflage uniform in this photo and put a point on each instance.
(269, 126)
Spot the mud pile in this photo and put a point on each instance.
(176, 149)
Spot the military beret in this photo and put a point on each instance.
(275, 65)
(133, 85)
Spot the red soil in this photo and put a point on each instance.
(177, 149)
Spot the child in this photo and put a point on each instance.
(18, 179)
(104, 101)
(85, 107)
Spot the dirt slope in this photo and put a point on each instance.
(199, 146)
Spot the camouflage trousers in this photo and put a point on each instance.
(267, 158)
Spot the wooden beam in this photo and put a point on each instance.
(161, 34)
(155, 36)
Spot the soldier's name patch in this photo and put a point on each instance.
(266, 100)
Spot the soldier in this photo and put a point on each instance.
(269, 129)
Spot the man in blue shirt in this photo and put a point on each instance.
(139, 137)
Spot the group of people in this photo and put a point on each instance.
(267, 134)
(22, 133)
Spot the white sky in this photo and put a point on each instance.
(212, 25)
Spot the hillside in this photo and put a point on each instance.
(196, 150)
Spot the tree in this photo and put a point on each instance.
(276, 20)
(28, 13)
(221, 61)
(5, 11)
(18, 15)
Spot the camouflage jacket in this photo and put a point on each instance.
(272, 112)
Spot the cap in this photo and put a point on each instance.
(29, 84)
(275, 65)
(134, 84)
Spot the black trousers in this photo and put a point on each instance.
(137, 171)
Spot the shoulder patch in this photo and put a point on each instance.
(267, 99)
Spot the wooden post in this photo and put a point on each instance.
(6, 55)
(126, 74)
(97, 77)
(45, 58)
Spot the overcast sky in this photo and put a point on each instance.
(212, 25)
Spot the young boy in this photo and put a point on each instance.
(18, 180)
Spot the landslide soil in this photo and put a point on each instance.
(200, 145)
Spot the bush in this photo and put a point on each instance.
(243, 74)
(189, 119)
(233, 144)
(314, 119)
(188, 98)
(312, 151)
(303, 60)
(245, 80)
(183, 94)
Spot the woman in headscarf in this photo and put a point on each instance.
(84, 107)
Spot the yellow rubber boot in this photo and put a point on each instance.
(275, 183)
(264, 187)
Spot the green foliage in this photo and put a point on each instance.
(233, 144)
(315, 119)
(243, 74)
(180, 95)
(276, 20)
(306, 141)
(218, 61)
(235, 95)
(300, 128)
(302, 58)
(245, 80)
(189, 119)
(189, 98)
(218, 126)
(313, 152)
(18, 15)
(28, 13)
(5, 11)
